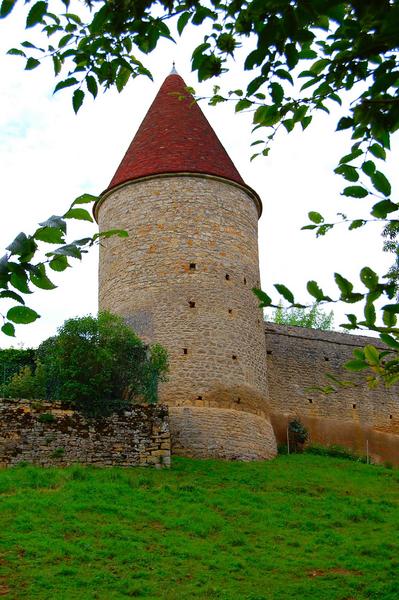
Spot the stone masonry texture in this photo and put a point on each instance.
(183, 278)
(48, 435)
(298, 360)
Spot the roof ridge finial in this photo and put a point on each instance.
(173, 71)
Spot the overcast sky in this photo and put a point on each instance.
(48, 156)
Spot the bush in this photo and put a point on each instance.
(98, 364)
(26, 384)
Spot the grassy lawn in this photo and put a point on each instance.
(300, 527)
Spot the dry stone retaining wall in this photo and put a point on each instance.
(135, 437)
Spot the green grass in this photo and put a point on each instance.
(299, 527)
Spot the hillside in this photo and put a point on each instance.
(302, 526)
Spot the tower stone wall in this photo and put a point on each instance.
(183, 278)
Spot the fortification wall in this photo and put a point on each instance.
(183, 278)
(46, 434)
(299, 359)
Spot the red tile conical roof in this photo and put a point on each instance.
(175, 137)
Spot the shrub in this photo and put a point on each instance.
(98, 364)
(298, 435)
(26, 384)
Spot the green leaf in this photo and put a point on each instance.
(344, 123)
(389, 318)
(31, 63)
(110, 233)
(372, 355)
(381, 183)
(243, 104)
(182, 22)
(349, 157)
(389, 340)
(64, 84)
(36, 14)
(356, 224)
(22, 314)
(65, 40)
(8, 329)
(319, 66)
(383, 208)
(315, 291)
(56, 222)
(77, 99)
(355, 191)
(370, 314)
(284, 75)
(16, 52)
(50, 235)
(92, 85)
(285, 292)
(265, 300)
(12, 295)
(344, 285)
(19, 280)
(369, 278)
(368, 167)
(350, 173)
(355, 365)
(84, 199)
(378, 151)
(78, 213)
(59, 263)
(391, 308)
(315, 217)
(277, 92)
(6, 7)
(67, 250)
(39, 278)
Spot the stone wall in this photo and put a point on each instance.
(299, 359)
(48, 435)
(183, 278)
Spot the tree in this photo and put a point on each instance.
(97, 364)
(314, 317)
(334, 46)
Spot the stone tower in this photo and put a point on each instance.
(184, 275)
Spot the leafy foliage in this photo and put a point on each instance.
(27, 383)
(12, 360)
(98, 364)
(314, 317)
(303, 56)
(18, 271)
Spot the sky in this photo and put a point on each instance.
(49, 156)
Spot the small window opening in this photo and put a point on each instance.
(245, 281)
(310, 400)
(227, 277)
(230, 311)
(326, 358)
(269, 351)
(192, 304)
(199, 397)
(238, 400)
(353, 405)
(234, 357)
(193, 266)
(185, 351)
(390, 416)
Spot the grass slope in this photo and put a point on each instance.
(300, 527)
